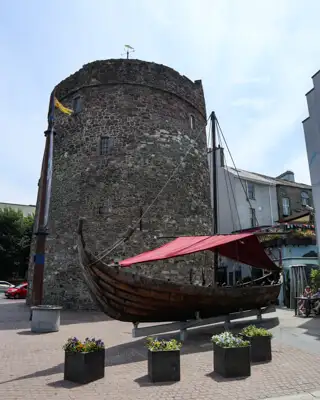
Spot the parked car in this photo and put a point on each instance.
(17, 292)
(4, 286)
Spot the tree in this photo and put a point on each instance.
(315, 279)
(15, 240)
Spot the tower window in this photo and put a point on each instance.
(192, 122)
(76, 104)
(106, 144)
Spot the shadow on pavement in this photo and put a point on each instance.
(64, 384)
(15, 314)
(198, 340)
(47, 372)
(218, 378)
(143, 381)
(312, 327)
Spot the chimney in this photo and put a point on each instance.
(287, 176)
(220, 156)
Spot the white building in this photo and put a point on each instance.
(245, 199)
(27, 210)
(311, 127)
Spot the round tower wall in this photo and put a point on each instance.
(138, 115)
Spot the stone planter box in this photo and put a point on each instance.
(164, 366)
(260, 348)
(233, 362)
(45, 319)
(84, 367)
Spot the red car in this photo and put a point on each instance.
(17, 292)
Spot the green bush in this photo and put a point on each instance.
(15, 239)
(252, 330)
(315, 279)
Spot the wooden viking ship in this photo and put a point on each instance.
(128, 296)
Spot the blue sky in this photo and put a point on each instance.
(255, 58)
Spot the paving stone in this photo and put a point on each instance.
(32, 365)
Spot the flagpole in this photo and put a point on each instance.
(44, 199)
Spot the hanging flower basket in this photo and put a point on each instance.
(163, 360)
(260, 340)
(84, 361)
(231, 358)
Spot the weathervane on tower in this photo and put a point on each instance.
(128, 49)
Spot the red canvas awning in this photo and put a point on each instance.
(242, 247)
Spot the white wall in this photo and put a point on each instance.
(265, 204)
(233, 207)
(232, 200)
(311, 128)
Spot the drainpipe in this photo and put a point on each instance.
(270, 202)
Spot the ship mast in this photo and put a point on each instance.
(41, 228)
(214, 190)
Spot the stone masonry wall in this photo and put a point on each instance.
(145, 108)
(293, 193)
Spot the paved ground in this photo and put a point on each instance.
(32, 365)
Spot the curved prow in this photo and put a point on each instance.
(80, 232)
(124, 238)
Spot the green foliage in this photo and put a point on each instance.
(228, 340)
(315, 279)
(252, 330)
(163, 345)
(15, 239)
(267, 238)
(74, 345)
(301, 233)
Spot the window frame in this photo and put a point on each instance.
(105, 150)
(192, 120)
(77, 104)
(253, 192)
(304, 198)
(253, 217)
(288, 206)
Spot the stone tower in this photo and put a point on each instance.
(132, 125)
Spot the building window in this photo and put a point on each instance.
(238, 274)
(230, 279)
(285, 206)
(304, 199)
(106, 144)
(251, 193)
(76, 104)
(253, 218)
(192, 122)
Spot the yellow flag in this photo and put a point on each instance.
(128, 47)
(62, 108)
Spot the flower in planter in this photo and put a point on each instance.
(260, 340)
(252, 331)
(228, 340)
(231, 355)
(155, 344)
(163, 360)
(74, 345)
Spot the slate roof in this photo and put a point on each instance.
(264, 179)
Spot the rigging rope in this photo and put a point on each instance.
(227, 176)
(237, 172)
(122, 240)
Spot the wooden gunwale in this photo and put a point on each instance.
(122, 295)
